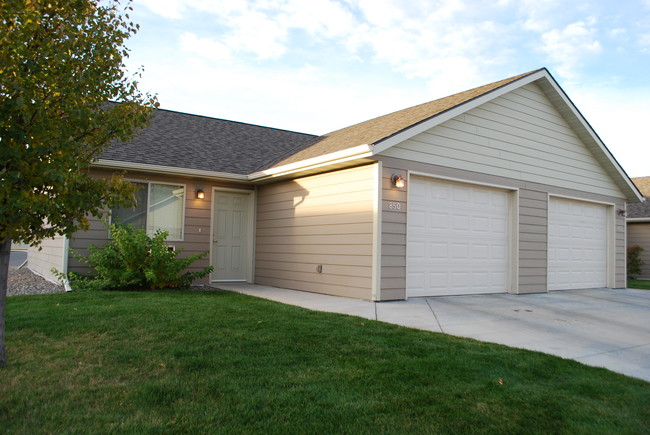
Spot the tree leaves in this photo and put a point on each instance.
(61, 62)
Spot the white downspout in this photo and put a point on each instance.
(64, 265)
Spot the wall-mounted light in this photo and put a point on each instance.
(621, 212)
(200, 194)
(398, 181)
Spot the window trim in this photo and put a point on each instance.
(149, 183)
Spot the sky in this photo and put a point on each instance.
(316, 66)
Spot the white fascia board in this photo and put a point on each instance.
(642, 219)
(594, 136)
(357, 152)
(309, 164)
(458, 110)
(158, 169)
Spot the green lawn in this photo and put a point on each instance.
(193, 362)
(635, 283)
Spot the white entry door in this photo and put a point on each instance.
(458, 239)
(577, 244)
(230, 236)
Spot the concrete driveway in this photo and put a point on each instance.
(599, 327)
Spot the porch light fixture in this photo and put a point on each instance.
(622, 212)
(398, 181)
(200, 194)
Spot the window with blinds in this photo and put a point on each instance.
(158, 206)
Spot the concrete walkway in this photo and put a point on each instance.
(599, 327)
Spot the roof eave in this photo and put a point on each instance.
(315, 164)
(318, 164)
(168, 170)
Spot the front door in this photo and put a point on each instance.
(230, 239)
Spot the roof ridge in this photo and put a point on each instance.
(232, 121)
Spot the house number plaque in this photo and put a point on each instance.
(394, 206)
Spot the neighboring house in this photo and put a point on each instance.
(638, 224)
(502, 188)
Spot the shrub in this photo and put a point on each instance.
(634, 261)
(133, 260)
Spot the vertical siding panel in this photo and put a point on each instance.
(317, 220)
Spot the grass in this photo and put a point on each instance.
(638, 284)
(195, 362)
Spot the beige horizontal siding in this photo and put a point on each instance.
(324, 219)
(533, 225)
(518, 136)
(196, 231)
(47, 255)
(638, 233)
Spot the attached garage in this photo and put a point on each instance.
(577, 244)
(504, 188)
(458, 238)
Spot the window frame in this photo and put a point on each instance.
(148, 184)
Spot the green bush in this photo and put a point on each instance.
(634, 261)
(132, 260)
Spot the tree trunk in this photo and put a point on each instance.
(5, 251)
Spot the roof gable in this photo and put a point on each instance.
(384, 127)
(379, 134)
(518, 135)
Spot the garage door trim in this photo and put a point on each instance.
(610, 225)
(513, 217)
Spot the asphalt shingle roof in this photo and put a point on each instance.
(189, 141)
(641, 209)
(381, 128)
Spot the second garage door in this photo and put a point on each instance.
(577, 244)
(457, 238)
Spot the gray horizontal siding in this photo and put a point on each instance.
(393, 235)
(533, 228)
(196, 231)
(519, 136)
(533, 224)
(638, 233)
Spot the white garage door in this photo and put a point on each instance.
(577, 244)
(457, 239)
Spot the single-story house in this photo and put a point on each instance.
(501, 188)
(638, 225)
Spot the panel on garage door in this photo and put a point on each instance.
(457, 238)
(577, 244)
